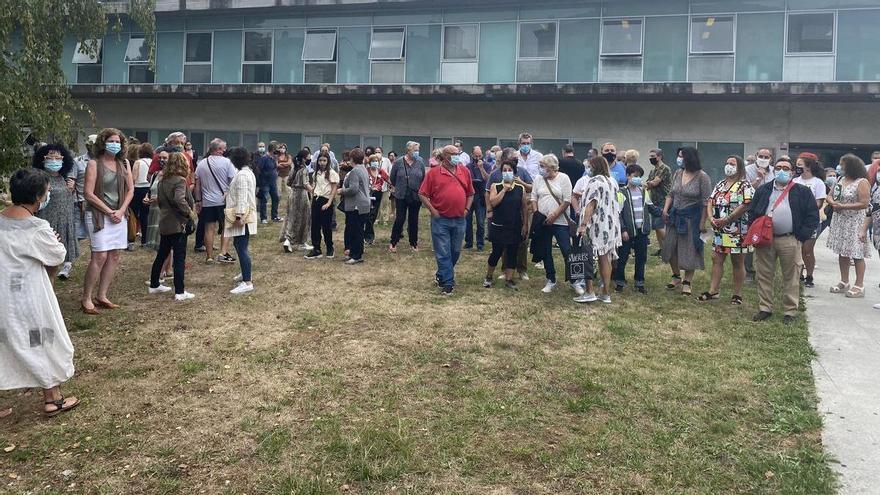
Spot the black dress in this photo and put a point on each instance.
(506, 224)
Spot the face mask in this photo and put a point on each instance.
(415, 154)
(680, 162)
(178, 148)
(654, 161)
(507, 176)
(799, 170)
(839, 171)
(163, 162)
(729, 170)
(783, 177)
(543, 172)
(113, 148)
(832, 181)
(261, 150)
(53, 165)
(763, 162)
(636, 181)
(610, 158)
(374, 164)
(455, 159)
(45, 202)
(588, 172)
(525, 149)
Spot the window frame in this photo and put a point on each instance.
(270, 62)
(97, 64)
(834, 34)
(641, 53)
(129, 64)
(209, 63)
(401, 58)
(692, 52)
(334, 57)
(520, 58)
(476, 57)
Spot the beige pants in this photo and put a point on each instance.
(788, 251)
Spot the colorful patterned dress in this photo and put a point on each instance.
(846, 225)
(725, 200)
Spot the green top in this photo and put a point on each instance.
(111, 189)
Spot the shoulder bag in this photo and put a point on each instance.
(760, 234)
(572, 225)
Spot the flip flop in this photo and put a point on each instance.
(59, 407)
(708, 296)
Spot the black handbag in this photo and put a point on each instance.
(189, 227)
(579, 262)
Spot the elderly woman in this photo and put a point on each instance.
(241, 215)
(685, 214)
(378, 185)
(850, 200)
(37, 351)
(406, 178)
(297, 221)
(508, 226)
(600, 223)
(726, 210)
(108, 191)
(551, 197)
(55, 160)
(175, 211)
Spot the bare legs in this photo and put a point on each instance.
(844, 262)
(605, 273)
(107, 273)
(210, 229)
(807, 252)
(102, 268)
(739, 272)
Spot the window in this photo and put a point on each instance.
(621, 49)
(387, 52)
(714, 68)
(197, 57)
(257, 57)
(89, 68)
(620, 69)
(811, 33)
(536, 60)
(137, 56)
(460, 49)
(319, 55)
(712, 34)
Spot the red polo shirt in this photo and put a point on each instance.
(448, 193)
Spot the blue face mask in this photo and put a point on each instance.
(636, 181)
(588, 172)
(507, 176)
(113, 148)
(542, 172)
(45, 202)
(680, 162)
(525, 149)
(415, 154)
(783, 177)
(839, 171)
(53, 165)
(455, 160)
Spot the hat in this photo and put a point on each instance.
(91, 139)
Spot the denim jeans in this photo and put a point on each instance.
(639, 244)
(561, 233)
(268, 189)
(478, 209)
(446, 236)
(244, 257)
(176, 245)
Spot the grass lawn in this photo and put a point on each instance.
(337, 379)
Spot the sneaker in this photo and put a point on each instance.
(605, 298)
(330, 254)
(64, 273)
(510, 284)
(243, 288)
(447, 291)
(618, 288)
(415, 249)
(876, 306)
(200, 249)
(286, 246)
(641, 289)
(264, 222)
(468, 246)
(524, 276)
(161, 289)
(313, 255)
(548, 287)
(808, 282)
(226, 258)
(237, 278)
(276, 219)
(184, 297)
(352, 261)
(480, 249)
(539, 265)
(487, 282)
(578, 289)
(346, 258)
(586, 298)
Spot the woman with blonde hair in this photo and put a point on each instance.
(108, 191)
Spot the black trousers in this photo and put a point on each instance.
(638, 244)
(141, 211)
(375, 204)
(354, 233)
(175, 244)
(406, 211)
(510, 252)
(322, 223)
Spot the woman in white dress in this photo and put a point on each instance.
(36, 350)
(108, 191)
(600, 223)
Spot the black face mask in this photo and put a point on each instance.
(654, 161)
(610, 157)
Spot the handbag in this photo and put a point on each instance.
(579, 262)
(189, 227)
(132, 220)
(760, 233)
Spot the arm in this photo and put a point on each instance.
(470, 202)
(524, 211)
(495, 197)
(180, 203)
(89, 189)
(129, 195)
(426, 202)
(588, 213)
(334, 188)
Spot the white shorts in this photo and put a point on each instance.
(113, 236)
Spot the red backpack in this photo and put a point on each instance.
(760, 234)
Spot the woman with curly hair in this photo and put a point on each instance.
(57, 162)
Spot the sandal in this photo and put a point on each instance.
(676, 281)
(736, 300)
(686, 288)
(840, 288)
(5, 412)
(59, 407)
(105, 304)
(856, 292)
(708, 296)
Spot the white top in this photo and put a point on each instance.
(36, 351)
(323, 187)
(752, 174)
(386, 166)
(213, 191)
(561, 185)
(143, 166)
(465, 158)
(531, 162)
(242, 197)
(815, 184)
(580, 187)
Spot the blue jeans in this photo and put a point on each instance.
(446, 236)
(268, 189)
(478, 209)
(560, 232)
(244, 257)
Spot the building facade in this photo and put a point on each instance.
(728, 76)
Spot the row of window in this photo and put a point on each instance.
(712, 46)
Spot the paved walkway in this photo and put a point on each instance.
(846, 336)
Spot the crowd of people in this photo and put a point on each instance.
(122, 194)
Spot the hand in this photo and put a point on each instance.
(863, 236)
(525, 232)
(115, 216)
(517, 180)
(762, 172)
(57, 235)
(238, 222)
(625, 236)
(489, 214)
(507, 186)
(665, 216)
(71, 185)
(582, 229)
(326, 206)
(703, 229)
(198, 207)
(147, 200)
(435, 213)
(549, 221)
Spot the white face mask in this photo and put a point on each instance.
(763, 162)
(729, 170)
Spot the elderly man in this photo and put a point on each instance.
(213, 175)
(658, 185)
(795, 219)
(448, 193)
(759, 172)
(325, 148)
(406, 178)
(174, 143)
(529, 159)
(479, 170)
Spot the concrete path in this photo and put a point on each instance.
(846, 336)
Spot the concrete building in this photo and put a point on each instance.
(730, 76)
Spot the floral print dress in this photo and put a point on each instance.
(604, 227)
(725, 200)
(846, 225)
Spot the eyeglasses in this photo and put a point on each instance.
(766, 157)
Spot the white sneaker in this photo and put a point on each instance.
(877, 306)
(237, 278)
(539, 265)
(578, 289)
(183, 297)
(159, 290)
(243, 288)
(161, 281)
(605, 298)
(64, 273)
(524, 276)
(548, 287)
(586, 298)
(286, 246)
(306, 247)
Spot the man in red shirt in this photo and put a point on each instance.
(447, 192)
